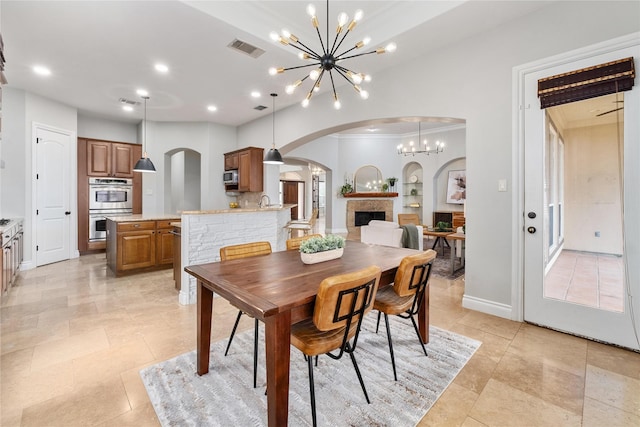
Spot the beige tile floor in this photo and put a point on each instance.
(585, 278)
(74, 338)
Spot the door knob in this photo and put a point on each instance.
(531, 230)
(67, 213)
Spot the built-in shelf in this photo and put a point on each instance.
(371, 195)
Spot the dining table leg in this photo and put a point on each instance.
(278, 355)
(423, 316)
(204, 313)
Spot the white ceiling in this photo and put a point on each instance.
(101, 51)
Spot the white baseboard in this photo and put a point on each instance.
(27, 265)
(488, 307)
(336, 231)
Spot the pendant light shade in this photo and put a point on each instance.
(144, 164)
(273, 156)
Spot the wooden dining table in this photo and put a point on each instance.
(280, 290)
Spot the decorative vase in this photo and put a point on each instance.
(321, 256)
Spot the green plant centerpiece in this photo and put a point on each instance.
(319, 249)
(385, 187)
(442, 226)
(346, 189)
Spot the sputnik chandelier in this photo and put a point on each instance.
(425, 148)
(328, 61)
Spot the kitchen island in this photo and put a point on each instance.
(205, 232)
(139, 243)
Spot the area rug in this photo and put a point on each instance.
(226, 397)
(442, 263)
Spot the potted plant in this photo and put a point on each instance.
(392, 182)
(442, 226)
(346, 188)
(319, 249)
(385, 187)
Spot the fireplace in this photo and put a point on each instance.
(363, 217)
(375, 206)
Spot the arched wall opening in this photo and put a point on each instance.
(182, 178)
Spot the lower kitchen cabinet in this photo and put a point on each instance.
(134, 246)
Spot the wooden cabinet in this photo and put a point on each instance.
(104, 158)
(112, 159)
(231, 161)
(139, 245)
(177, 256)
(455, 219)
(164, 243)
(248, 161)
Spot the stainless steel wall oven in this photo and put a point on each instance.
(107, 197)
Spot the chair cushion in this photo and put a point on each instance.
(387, 301)
(312, 341)
(386, 224)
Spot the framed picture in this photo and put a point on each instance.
(457, 187)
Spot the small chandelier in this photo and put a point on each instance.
(328, 61)
(144, 164)
(425, 148)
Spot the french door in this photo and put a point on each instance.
(578, 192)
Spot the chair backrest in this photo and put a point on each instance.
(404, 219)
(245, 250)
(412, 276)
(294, 242)
(314, 216)
(343, 300)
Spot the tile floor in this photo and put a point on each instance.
(585, 278)
(74, 338)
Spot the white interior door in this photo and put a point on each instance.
(52, 196)
(550, 230)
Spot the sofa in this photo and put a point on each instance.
(386, 233)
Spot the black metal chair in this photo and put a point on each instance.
(404, 298)
(245, 250)
(341, 303)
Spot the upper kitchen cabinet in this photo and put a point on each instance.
(111, 159)
(248, 162)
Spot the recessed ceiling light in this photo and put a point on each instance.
(212, 108)
(127, 108)
(42, 71)
(161, 68)
(142, 92)
(255, 94)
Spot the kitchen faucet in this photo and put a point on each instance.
(260, 205)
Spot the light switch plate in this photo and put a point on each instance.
(502, 185)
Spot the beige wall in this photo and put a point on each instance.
(592, 190)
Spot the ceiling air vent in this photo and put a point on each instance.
(128, 101)
(245, 48)
(259, 107)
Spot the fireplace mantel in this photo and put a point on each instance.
(370, 195)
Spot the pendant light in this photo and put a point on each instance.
(144, 164)
(273, 156)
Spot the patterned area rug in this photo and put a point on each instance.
(442, 264)
(226, 397)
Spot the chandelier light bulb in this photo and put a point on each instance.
(364, 94)
(311, 10)
(303, 55)
(358, 15)
(343, 18)
(391, 47)
(305, 102)
(367, 78)
(274, 36)
(285, 33)
(314, 74)
(289, 89)
(411, 142)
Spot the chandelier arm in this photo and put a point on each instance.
(321, 42)
(301, 66)
(340, 58)
(334, 47)
(306, 50)
(335, 95)
(339, 71)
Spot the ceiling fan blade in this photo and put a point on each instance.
(610, 111)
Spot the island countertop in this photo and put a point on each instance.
(144, 217)
(270, 208)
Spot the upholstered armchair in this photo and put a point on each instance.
(386, 233)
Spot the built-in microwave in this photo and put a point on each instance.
(230, 177)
